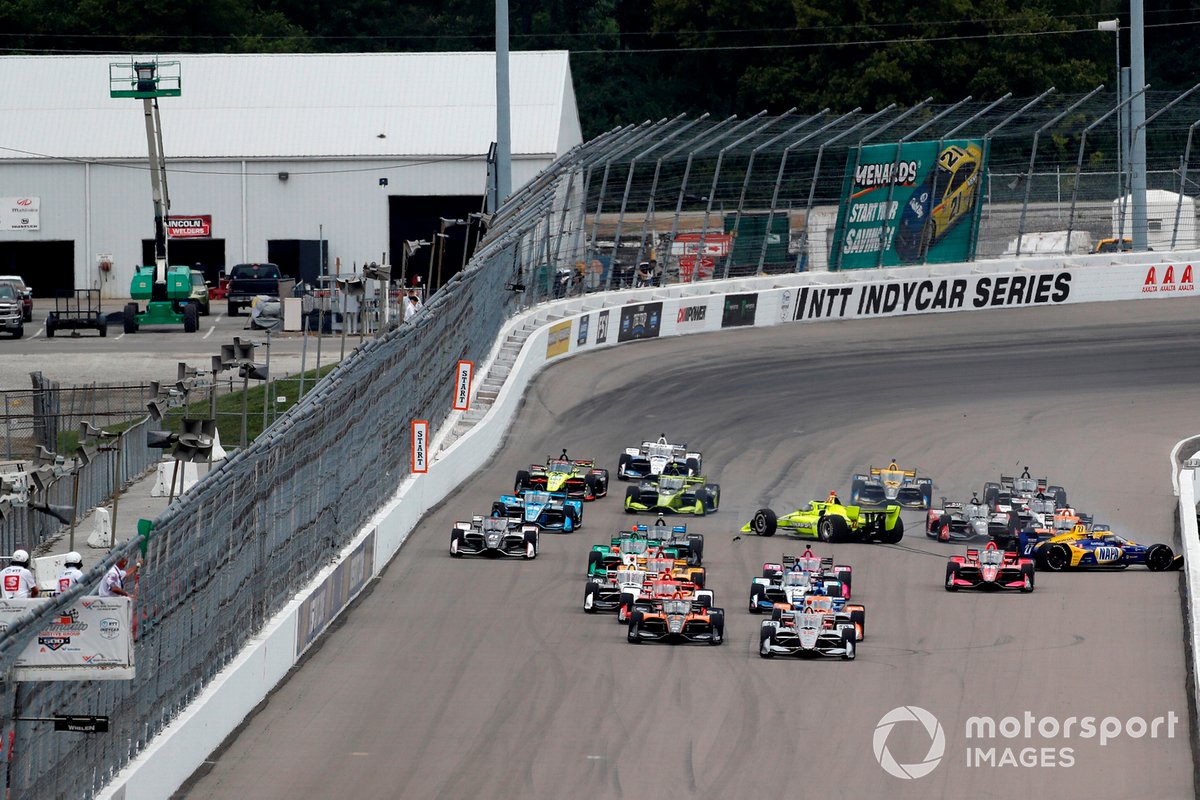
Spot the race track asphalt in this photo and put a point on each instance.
(483, 679)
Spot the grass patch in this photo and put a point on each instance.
(230, 405)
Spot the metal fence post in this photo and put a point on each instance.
(1183, 171)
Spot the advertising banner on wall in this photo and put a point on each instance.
(740, 310)
(336, 591)
(920, 205)
(20, 213)
(92, 640)
(602, 327)
(581, 338)
(640, 321)
(559, 340)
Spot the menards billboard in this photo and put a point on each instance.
(922, 207)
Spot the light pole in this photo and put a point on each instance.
(410, 248)
(1114, 26)
(444, 223)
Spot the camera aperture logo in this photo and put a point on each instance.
(932, 728)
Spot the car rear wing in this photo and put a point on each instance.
(877, 471)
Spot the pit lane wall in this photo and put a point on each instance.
(1187, 475)
(572, 326)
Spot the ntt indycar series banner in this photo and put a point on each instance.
(932, 294)
(918, 206)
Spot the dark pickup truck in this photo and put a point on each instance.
(247, 281)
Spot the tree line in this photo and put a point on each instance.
(647, 59)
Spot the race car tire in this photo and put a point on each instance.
(832, 528)
(1027, 577)
(991, 494)
(498, 509)
(1055, 558)
(693, 467)
(698, 578)
(895, 534)
(1159, 557)
(717, 617)
(858, 615)
(129, 318)
(622, 465)
(456, 540)
(595, 559)
(695, 549)
(702, 501)
(756, 592)
(632, 495)
(593, 485)
(766, 638)
(849, 644)
(625, 608)
(927, 496)
(1059, 494)
(521, 482)
(704, 601)
(569, 522)
(635, 623)
(843, 577)
(531, 545)
(764, 522)
(777, 614)
(714, 495)
(856, 490)
(951, 574)
(589, 597)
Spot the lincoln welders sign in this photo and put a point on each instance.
(920, 207)
(934, 294)
(640, 321)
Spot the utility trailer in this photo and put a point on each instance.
(75, 309)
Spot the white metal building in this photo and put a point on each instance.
(283, 154)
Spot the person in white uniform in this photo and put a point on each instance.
(16, 581)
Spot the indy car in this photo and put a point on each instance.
(673, 494)
(660, 585)
(1095, 548)
(548, 511)
(577, 478)
(624, 549)
(855, 614)
(652, 459)
(677, 620)
(1017, 492)
(830, 521)
(794, 579)
(493, 536)
(604, 591)
(801, 633)
(954, 520)
(891, 484)
(674, 537)
(989, 569)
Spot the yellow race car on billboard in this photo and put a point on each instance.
(946, 197)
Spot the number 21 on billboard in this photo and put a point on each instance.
(462, 385)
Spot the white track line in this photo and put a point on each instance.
(210, 332)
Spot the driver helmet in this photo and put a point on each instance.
(833, 498)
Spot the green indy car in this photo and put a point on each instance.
(675, 494)
(830, 521)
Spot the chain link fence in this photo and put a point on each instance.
(233, 550)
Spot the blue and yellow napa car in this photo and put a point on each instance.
(946, 197)
(1094, 548)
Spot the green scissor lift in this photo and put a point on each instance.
(164, 289)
